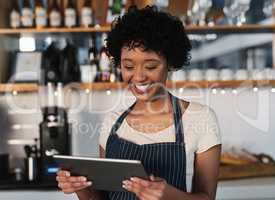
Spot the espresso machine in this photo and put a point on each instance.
(55, 132)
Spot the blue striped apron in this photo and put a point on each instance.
(166, 160)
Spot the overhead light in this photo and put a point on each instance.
(14, 92)
(214, 91)
(87, 91)
(234, 91)
(108, 92)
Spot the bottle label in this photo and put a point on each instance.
(41, 17)
(86, 16)
(27, 17)
(55, 19)
(70, 17)
(14, 19)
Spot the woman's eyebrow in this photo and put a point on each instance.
(152, 60)
(126, 59)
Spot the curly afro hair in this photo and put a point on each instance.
(152, 30)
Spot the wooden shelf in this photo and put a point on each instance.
(253, 28)
(19, 87)
(219, 84)
(54, 30)
(29, 87)
(248, 28)
(186, 84)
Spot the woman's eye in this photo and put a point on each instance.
(128, 67)
(151, 67)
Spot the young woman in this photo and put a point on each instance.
(177, 141)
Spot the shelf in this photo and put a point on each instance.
(19, 87)
(54, 30)
(248, 28)
(219, 84)
(253, 28)
(32, 87)
(186, 84)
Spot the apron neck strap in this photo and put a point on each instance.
(119, 121)
(177, 119)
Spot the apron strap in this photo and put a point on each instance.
(119, 121)
(178, 119)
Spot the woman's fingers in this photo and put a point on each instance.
(74, 179)
(144, 193)
(70, 184)
(63, 173)
(72, 190)
(68, 187)
(81, 184)
(71, 179)
(64, 185)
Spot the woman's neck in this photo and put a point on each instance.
(159, 104)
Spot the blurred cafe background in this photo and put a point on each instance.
(57, 83)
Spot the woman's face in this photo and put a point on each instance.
(144, 71)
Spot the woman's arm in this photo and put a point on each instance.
(206, 174)
(205, 181)
(207, 171)
(89, 193)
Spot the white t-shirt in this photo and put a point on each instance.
(201, 132)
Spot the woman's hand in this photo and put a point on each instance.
(70, 184)
(153, 189)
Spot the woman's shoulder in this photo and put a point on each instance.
(113, 115)
(196, 109)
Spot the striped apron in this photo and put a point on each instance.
(166, 160)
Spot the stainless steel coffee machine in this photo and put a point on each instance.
(55, 132)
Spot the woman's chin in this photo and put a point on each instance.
(146, 95)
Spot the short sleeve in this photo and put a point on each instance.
(209, 130)
(106, 127)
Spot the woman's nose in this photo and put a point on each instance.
(139, 75)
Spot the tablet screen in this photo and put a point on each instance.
(106, 174)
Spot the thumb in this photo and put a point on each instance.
(152, 177)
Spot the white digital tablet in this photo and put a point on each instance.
(106, 174)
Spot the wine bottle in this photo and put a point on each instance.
(51, 64)
(15, 15)
(27, 14)
(86, 14)
(70, 71)
(55, 14)
(70, 14)
(215, 15)
(104, 62)
(40, 14)
(93, 60)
